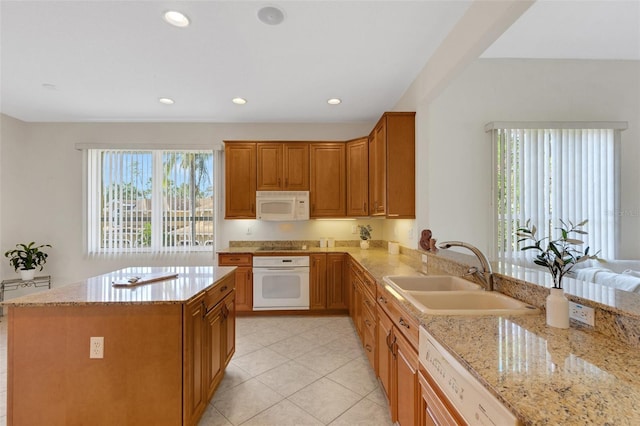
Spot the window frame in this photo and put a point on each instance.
(91, 197)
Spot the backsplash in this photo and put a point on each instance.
(308, 243)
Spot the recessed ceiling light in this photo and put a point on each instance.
(166, 101)
(334, 101)
(239, 101)
(271, 15)
(49, 86)
(176, 18)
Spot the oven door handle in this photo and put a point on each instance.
(263, 270)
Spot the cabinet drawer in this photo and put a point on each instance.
(369, 284)
(404, 321)
(240, 259)
(214, 295)
(369, 344)
(369, 320)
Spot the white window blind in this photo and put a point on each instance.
(546, 172)
(150, 201)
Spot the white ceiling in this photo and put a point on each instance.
(112, 60)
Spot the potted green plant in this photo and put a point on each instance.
(25, 258)
(559, 256)
(365, 235)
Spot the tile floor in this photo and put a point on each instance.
(297, 370)
(287, 370)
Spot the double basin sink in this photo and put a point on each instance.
(451, 295)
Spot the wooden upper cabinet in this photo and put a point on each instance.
(240, 180)
(358, 177)
(282, 166)
(327, 179)
(392, 174)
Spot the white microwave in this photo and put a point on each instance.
(282, 205)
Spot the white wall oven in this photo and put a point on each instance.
(280, 282)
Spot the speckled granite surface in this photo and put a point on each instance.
(546, 376)
(99, 290)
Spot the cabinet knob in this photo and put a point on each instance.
(403, 323)
(223, 289)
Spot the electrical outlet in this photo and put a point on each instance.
(425, 258)
(96, 347)
(582, 313)
(354, 229)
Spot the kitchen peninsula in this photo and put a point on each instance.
(541, 374)
(164, 348)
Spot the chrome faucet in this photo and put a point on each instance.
(486, 276)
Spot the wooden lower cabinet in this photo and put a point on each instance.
(328, 285)
(363, 311)
(244, 278)
(398, 361)
(209, 344)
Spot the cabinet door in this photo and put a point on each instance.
(358, 177)
(213, 338)
(378, 170)
(385, 356)
(406, 376)
(195, 399)
(401, 176)
(433, 411)
(240, 180)
(318, 281)
(269, 168)
(337, 289)
(327, 180)
(244, 289)
(296, 166)
(229, 313)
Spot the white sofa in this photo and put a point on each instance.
(619, 274)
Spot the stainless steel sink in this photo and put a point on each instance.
(429, 283)
(468, 303)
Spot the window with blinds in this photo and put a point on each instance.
(552, 171)
(150, 201)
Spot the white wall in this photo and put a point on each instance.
(454, 173)
(42, 179)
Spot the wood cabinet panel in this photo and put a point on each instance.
(269, 166)
(318, 281)
(337, 288)
(357, 164)
(406, 376)
(244, 278)
(240, 180)
(432, 409)
(385, 354)
(194, 346)
(327, 179)
(213, 333)
(283, 166)
(392, 166)
(296, 166)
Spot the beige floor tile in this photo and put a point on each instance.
(378, 396)
(244, 401)
(357, 376)
(269, 336)
(212, 417)
(233, 376)
(283, 413)
(288, 378)
(325, 399)
(260, 361)
(364, 413)
(322, 360)
(322, 335)
(294, 346)
(245, 345)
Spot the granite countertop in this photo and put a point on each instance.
(545, 375)
(190, 282)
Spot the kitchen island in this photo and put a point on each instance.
(165, 347)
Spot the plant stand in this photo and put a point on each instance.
(14, 284)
